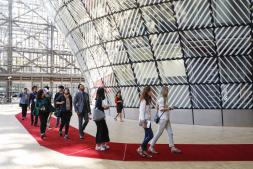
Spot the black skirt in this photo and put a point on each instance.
(102, 135)
(119, 108)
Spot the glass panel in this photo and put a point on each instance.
(192, 13)
(116, 52)
(107, 29)
(231, 12)
(116, 5)
(202, 70)
(124, 74)
(237, 96)
(130, 23)
(172, 71)
(96, 8)
(205, 96)
(130, 96)
(179, 96)
(146, 73)
(90, 34)
(108, 76)
(138, 48)
(166, 46)
(159, 18)
(233, 40)
(236, 69)
(198, 43)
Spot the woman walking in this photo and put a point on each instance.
(102, 136)
(119, 106)
(145, 120)
(42, 104)
(164, 122)
(65, 101)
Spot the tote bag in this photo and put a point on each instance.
(98, 114)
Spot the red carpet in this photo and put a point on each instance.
(127, 152)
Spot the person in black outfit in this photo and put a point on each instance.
(51, 109)
(57, 106)
(32, 98)
(66, 103)
(102, 136)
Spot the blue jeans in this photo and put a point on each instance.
(148, 136)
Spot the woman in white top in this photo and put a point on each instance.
(164, 122)
(145, 120)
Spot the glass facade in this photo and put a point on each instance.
(202, 49)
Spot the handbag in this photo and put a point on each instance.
(98, 114)
(157, 118)
(35, 111)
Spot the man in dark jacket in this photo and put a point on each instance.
(32, 98)
(82, 109)
(57, 106)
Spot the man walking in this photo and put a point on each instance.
(82, 108)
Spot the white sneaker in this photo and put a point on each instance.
(106, 146)
(100, 148)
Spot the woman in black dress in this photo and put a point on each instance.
(102, 136)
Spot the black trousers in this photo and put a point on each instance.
(65, 120)
(102, 135)
(24, 109)
(34, 117)
(43, 121)
(83, 120)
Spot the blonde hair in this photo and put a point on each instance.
(165, 92)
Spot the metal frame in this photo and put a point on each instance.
(53, 59)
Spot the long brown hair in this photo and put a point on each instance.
(40, 94)
(144, 95)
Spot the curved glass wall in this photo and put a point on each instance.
(202, 49)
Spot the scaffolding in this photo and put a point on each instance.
(32, 51)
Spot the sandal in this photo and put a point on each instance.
(175, 150)
(146, 154)
(152, 150)
(140, 152)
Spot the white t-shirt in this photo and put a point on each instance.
(160, 103)
(145, 112)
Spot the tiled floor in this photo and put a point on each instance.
(18, 149)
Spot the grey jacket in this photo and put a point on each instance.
(79, 102)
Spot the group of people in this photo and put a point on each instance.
(40, 104)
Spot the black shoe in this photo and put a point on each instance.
(60, 133)
(42, 136)
(66, 137)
